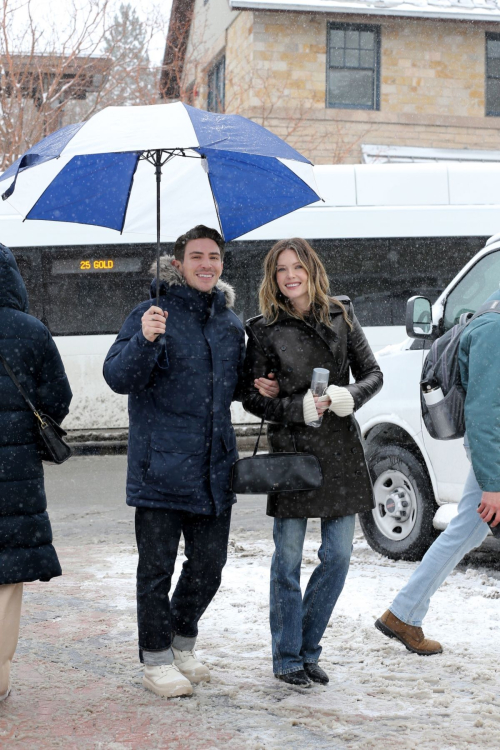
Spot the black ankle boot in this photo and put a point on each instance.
(295, 678)
(316, 674)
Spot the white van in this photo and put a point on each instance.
(418, 481)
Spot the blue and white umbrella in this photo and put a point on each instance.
(219, 170)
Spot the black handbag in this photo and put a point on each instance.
(276, 472)
(52, 447)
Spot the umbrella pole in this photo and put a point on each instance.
(158, 223)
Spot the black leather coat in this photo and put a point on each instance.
(292, 348)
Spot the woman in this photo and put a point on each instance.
(302, 327)
(26, 551)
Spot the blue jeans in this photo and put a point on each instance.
(465, 532)
(297, 625)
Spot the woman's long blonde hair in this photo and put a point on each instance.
(271, 300)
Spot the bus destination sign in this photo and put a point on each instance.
(96, 265)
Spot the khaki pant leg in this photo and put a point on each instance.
(11, 596)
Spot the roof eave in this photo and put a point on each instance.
(324, 6)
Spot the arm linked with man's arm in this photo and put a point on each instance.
(283, 410)
(130, 361)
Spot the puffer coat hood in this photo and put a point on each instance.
(292, 348)
(13, 292)
(26, 551)
(181, 441)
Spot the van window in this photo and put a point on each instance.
(469, 294)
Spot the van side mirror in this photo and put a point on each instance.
(419, 318)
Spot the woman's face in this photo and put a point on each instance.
(291, 277)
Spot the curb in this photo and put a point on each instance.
(115, 442)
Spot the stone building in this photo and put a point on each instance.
(346, 80)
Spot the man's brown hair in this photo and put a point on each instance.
(199, 232)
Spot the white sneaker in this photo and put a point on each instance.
(166, 680)
(5, 695)
(190, 666)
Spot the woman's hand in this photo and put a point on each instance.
(322, 404)
(154, 323)
(268, 387)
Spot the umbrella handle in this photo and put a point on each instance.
(158, 222)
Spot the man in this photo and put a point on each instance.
(480, 503)
(180, 364)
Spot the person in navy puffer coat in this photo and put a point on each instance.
(180, 365)
(26, 551)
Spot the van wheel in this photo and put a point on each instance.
(400, 525)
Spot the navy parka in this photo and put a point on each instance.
(26, 551)
(181, 441)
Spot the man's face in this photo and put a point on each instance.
(202, 264)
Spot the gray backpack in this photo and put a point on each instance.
(445, 419)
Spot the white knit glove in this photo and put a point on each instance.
(342, 401)
(310, 412)
(309, 407)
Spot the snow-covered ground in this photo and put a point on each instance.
(379, 696)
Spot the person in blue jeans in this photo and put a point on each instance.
(480, 503)
(302, 327)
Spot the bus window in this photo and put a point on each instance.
(30, 265)
(377, 274)
(92, 289)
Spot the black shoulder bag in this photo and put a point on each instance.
(52, 446)
(276, 472)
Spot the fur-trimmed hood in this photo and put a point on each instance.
(173, 277)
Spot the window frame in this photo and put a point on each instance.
(212, 72)
(494, 37)
(332, 25)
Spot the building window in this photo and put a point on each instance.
(353, 66)
(493, 75)
(216, 86)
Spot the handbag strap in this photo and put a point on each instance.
(260, 433)
(21, 389)
(258, 437)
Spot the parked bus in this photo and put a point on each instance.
(385, 232)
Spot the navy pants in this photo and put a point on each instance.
(158, 533)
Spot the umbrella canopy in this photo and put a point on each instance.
(219, 170)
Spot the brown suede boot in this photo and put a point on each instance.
(409, 635)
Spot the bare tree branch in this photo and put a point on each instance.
(57, 75)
